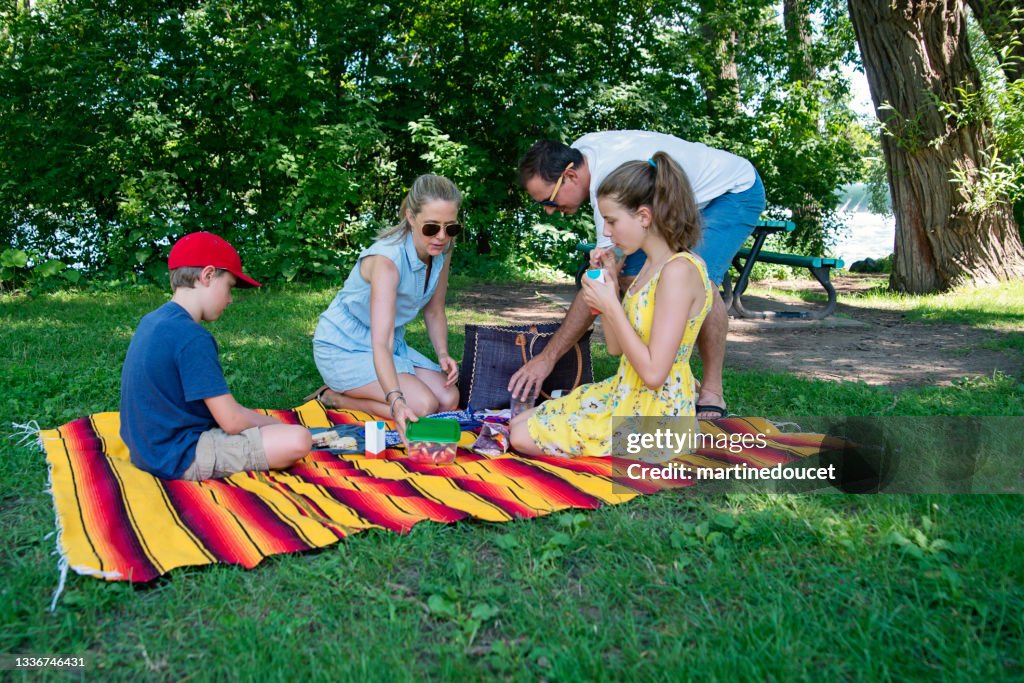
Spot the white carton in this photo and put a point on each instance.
(375, 443)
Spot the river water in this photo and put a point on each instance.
(867, 235)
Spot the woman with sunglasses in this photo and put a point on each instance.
(359, 344)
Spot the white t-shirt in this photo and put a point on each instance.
(711, 172)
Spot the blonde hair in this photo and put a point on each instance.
(660, 185)
(425, 189)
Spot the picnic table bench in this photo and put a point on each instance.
(819, 266)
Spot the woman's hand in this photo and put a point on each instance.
(450, 368)
(403, 415)
(601, 296)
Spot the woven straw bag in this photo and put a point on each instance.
(493, 353)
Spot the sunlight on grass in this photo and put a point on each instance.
(999, 308)
(983, 305)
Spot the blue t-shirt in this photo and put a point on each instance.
(170, 368)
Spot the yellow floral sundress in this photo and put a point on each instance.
(581, 423)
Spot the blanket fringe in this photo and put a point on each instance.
(27, 433)
(62, 567)
(58, 531)
(781, 425)
(112, 575)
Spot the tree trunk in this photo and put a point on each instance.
(916, 55)
(722, 86)
(796, 19)
(1004, 29)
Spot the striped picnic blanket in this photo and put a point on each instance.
(120, 523)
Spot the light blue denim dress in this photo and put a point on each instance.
(341, 344)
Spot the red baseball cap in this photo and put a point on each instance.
(201, 249)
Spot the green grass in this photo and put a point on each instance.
(995, 308)
(999, 306)
(666, 587)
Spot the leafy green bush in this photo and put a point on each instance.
(30, 271)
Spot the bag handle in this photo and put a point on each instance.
(521, 343)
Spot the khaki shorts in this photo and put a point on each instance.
(219, 454)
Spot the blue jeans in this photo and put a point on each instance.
(728, 221)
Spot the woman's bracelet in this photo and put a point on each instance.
(397, 399)
(393, 391)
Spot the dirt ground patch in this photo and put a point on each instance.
(872, 345)
(517, 302)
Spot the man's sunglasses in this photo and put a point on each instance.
(550, 201)
(451, 229)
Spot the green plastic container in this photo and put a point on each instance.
(433, 440)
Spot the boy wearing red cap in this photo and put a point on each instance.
(177, 416)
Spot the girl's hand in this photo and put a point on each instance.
(450, 368)
(596, 254)
(601, 296)
(607, 259)
(604, 258)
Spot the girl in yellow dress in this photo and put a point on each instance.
(648, 206)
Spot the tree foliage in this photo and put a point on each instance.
(293, 127)
(1000, 60)
(1003, 24)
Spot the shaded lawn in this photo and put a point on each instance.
(998, 308)
(667, 586)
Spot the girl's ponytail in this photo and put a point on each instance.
(659, 184)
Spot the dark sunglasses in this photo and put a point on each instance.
(450, 229)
